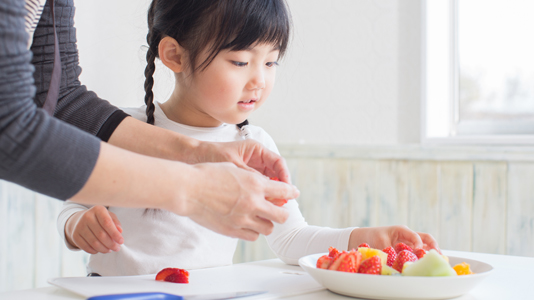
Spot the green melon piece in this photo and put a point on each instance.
(432, 264)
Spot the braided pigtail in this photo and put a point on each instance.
(149, 83)
(153, 41)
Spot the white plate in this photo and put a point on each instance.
(396, 287)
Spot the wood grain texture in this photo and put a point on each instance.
(489, 207)
(520, 209)
(455, 190)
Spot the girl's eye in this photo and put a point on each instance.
(240, 64)
(272, 64)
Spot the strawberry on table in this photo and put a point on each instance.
(392, 254)
(371, 266)
(173, 275)
(402, 246)
(419, 252)
(403, 257)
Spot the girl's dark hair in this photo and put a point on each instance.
(212, 26)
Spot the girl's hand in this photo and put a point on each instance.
(94, 230)
(382, 237)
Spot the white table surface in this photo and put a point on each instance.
(512, 278)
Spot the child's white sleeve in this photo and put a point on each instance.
(69, 208)
(295, 238)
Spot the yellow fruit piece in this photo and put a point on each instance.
(463, 269)
(370, 252)
(387, 270)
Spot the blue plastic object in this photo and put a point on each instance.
(138, 296)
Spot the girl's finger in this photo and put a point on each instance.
(107, 231)
(411, 237)
(84, 245)
(429, 240)
(94, 240)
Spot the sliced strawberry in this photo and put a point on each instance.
(364, 245)
(403, 257)
(173, 275)
(351, 262)
(391, 255)
(372, 266)
(337, 261)
(324, 262)
(333, 252)
(402, 246)
(419, 252)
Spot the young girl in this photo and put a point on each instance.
(224, 56)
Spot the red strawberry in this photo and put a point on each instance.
(351, 262)
(337, 261)
(402, 246)
(419, 252)
(371, 266)
(173, 275)
(391, 255)
(403, 257)
(364, 245)
(333, 252)
(324, 261)
(277, 202)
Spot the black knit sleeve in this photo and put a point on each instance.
(36, 150)
(76, 105)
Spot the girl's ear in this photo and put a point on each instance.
(171, 54)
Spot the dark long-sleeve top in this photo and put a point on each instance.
(50, 155)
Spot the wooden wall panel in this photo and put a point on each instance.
(455, 190)
(423, 206)
(361, 188)
(392, 192)
(520, 209)
(489, 207)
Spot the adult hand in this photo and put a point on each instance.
(382, 237)
(232, 201)
(94, 230)
(247, 154)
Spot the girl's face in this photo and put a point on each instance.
(234, 85)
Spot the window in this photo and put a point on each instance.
(479, 71)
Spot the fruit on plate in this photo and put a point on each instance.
(403, 257)
(326, 260)
(364, 245)
(173, 275)
(370, 252)
(419, 252)
(347, 262)
(387, 270)
(391, 255)
(402, 246)
(277, 202)
(463, 269)
(432, 264)
(373, 261)
(372, 265)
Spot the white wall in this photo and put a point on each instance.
(351, 75)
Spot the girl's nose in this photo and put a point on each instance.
(257, 81)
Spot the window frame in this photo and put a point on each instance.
(440, 87)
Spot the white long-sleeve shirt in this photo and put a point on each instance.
(157, 239)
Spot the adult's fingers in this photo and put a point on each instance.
(280, 190)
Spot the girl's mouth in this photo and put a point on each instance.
(247, 104)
